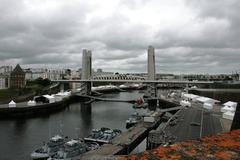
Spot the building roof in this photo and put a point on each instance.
(18, 70)
(230, 104)
(224, 147)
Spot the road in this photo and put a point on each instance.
(183, 130)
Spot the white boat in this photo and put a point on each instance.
(133, 119)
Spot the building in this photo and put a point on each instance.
(75, 75)
(207, 77)
(35, 73)
(165, 76)
(5, 76)
(17, 77)
(3, 82)
(5, 70)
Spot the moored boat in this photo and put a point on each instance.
(48, 149)
(72, 149)
(133, 119)
(103, 135)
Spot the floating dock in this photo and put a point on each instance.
(125, 142)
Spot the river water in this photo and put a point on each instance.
(18, 137)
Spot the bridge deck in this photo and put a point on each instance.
(106, 99)
(135, 81)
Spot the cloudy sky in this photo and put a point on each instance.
(189, 36)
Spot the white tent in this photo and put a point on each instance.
(185, 103)
(59, 96)
(123, 86)
(50, 98)
(227, 108)
(231, 104)
(191, 97)
(208, 106)
(194, 87)
(31, 103)
(207, 100)
(172, 94)
(228, 115)
(12, 104)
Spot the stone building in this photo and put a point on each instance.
(17, 77)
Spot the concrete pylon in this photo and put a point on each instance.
(86, 70)
(151, 64)
(151, 88)
(86, 64)
(151, 91)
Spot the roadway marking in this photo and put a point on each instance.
(201, 125)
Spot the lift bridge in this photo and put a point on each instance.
(87, 79)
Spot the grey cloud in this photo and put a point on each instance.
(207, 42)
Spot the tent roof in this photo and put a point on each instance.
(12, 102)
(190, 95)
(230, 103)
(228, 108)
(207, 100)
(229, 113)
(48, 96)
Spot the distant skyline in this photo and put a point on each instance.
(189, 36)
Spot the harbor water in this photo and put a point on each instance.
(19, 137)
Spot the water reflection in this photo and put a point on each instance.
(19, 137)
(86, 114)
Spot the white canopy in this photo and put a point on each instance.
(227, 108)
(12, 104)
(185, 103)
(230, 104)
(122, 86)
(228, 115)
(208, 106)
(50, 98)
(192, 97)
(172, 94)
(31, 103)
(207, 100)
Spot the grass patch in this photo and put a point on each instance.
(4, 93)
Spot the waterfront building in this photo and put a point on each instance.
(3, 82)
(75, 75)
(208, 77)
(5, 70)
(17, 77)
(100, 72)
(165, 76)
(51, 74)
(5, 76)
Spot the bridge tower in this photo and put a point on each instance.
(151, 87)
(86, 71)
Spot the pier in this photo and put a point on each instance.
(125, 142)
